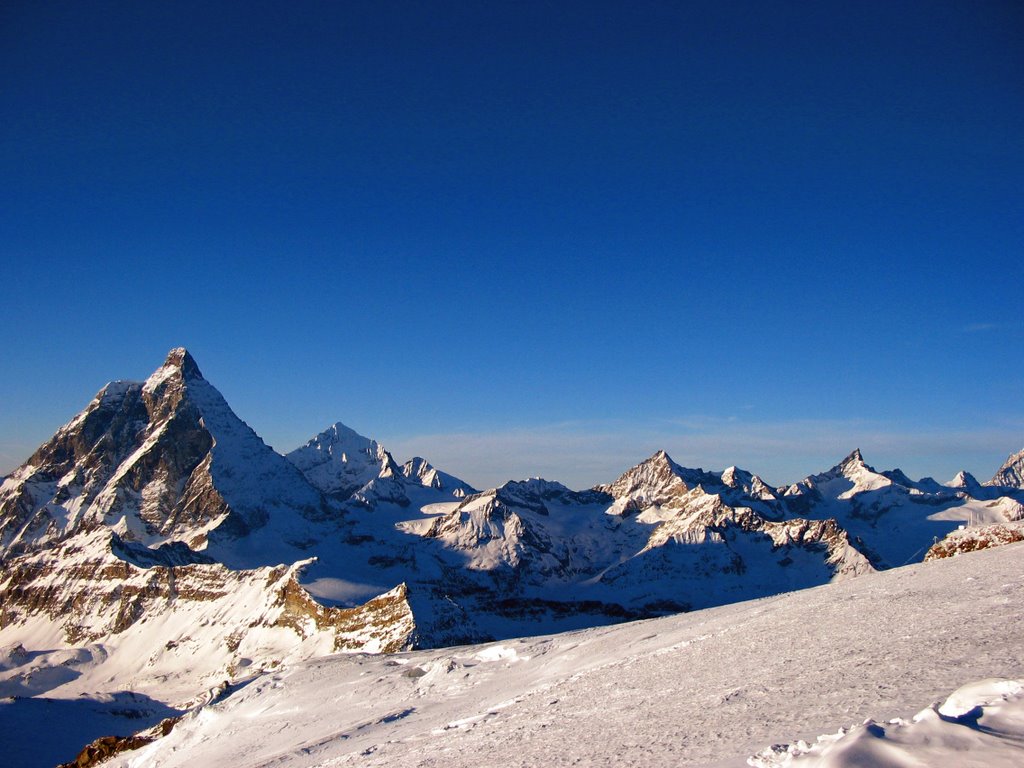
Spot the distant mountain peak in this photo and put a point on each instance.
(341, 431)
(855, 457)
(1011, 474)
(964, 479)
(656, 480)
(852, 464)
(178, 367)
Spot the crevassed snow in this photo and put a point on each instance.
(710, 688)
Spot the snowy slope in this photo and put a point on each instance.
(704, 689)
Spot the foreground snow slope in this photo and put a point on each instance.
(708, 688)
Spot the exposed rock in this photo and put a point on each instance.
(158, 462)
(972, 539)
(105, 747)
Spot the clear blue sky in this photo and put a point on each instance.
(527, 238)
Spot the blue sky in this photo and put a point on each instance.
(527, 238)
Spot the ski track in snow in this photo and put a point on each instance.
(708, 688)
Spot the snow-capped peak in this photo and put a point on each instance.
(851, 465)
(341, 441)
(658, 481)
(1011, 474)
(963, 479)
(179, 364)
(846, 479)
(167, 461)
(421, 471)
(854, 468)
(180, 358)
(339, 461)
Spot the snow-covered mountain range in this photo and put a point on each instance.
(157, 545)
(930, 653)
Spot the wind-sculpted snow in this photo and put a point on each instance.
(980, 725)
(709, 688)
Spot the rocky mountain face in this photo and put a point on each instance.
(1011, 474)
(159, 461)
(158, 506)
(157, 539)
(973, 538)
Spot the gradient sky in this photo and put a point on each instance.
(527, 238)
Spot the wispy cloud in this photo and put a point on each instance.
(980, 327)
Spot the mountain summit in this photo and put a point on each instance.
(156, 462)
(180, 358)
(339, 461)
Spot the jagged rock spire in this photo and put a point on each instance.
(852, 462)
(180, 358)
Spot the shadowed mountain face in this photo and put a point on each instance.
(159, 461)
(158, 527)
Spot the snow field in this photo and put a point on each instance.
(710, 688)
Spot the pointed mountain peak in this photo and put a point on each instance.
(417, 465)
(341, 430)
(1011, 474)
(180, 358)
(657, 480)
(852, 463)
(179, 366)
(732, 476)
(340, 441)
(659, 459)
(341, 438)
(339, 461)
(963, 479)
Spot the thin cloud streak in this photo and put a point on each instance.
(980, 327)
